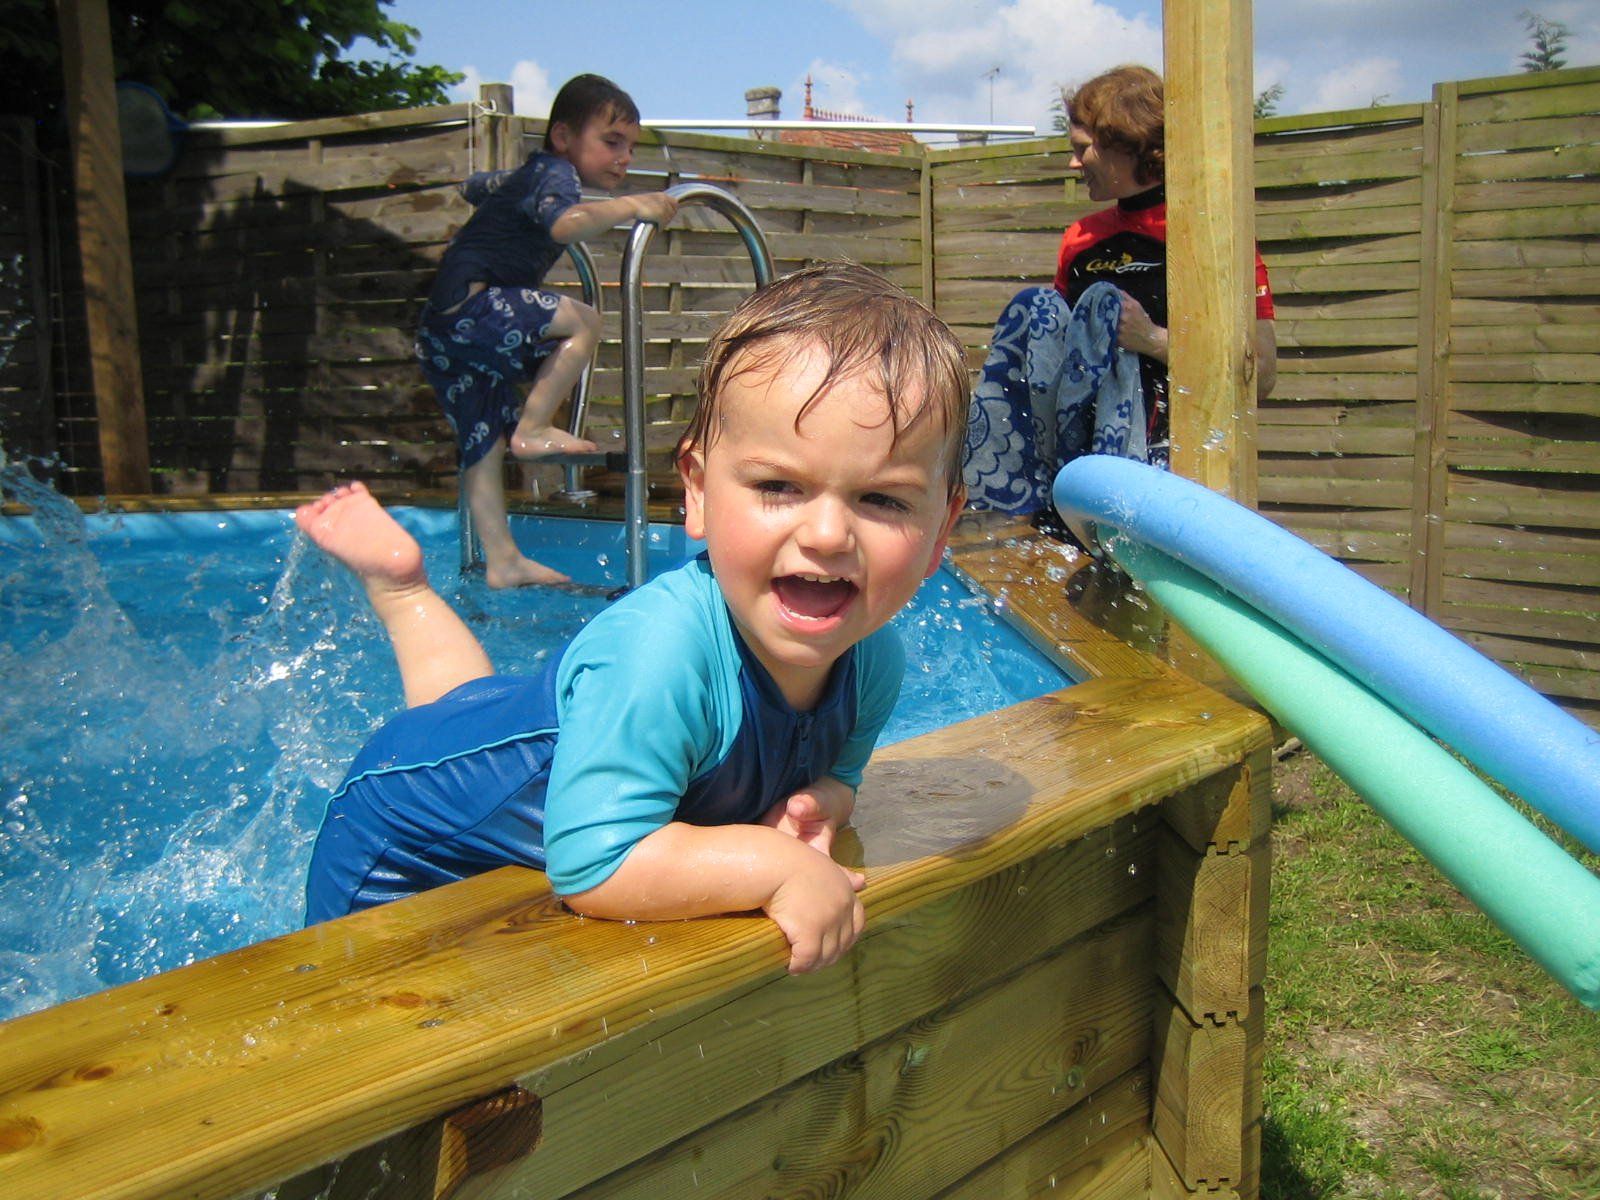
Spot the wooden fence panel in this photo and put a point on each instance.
(1518, 571)
(1436, 270)
(280, 273)
(997, 216)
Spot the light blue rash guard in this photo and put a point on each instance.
(656, 712)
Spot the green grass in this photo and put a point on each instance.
(1412, 1049)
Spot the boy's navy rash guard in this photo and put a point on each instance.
(656, 712)
(506, 242)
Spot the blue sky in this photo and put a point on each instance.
(696, 58)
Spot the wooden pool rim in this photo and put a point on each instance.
(1075, 992)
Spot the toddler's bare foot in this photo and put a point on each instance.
(521, 572)
(353, 527)
(538, 441)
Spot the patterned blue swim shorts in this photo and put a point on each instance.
(479, 357)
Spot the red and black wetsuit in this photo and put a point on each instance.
(1127, 246)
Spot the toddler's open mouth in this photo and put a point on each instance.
(813, 597)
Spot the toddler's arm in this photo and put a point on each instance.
(584, 221)
(685, 870)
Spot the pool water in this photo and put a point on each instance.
(183, 691)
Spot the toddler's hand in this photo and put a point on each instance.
(814, 814)
(654, 206)
(819, 912)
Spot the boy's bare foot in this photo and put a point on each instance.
(349, 524)
(537, 441)
(521, 572)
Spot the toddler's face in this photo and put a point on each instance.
(601, 151)
(819, 534)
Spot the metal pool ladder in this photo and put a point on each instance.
(638, 485)
(637, 491)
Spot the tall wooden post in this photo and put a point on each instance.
(1211, 243)
(103, 244)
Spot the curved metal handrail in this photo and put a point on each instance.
(589, 280)
(744, 223)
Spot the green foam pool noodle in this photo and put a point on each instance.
(1544, 900)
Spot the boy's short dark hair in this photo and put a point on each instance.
(1124, 109)
(584, 97)
(864, 323)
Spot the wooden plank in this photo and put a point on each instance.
(1098, 1150)
(1578, 661)
(1562, 162)
(1354, 139)
(1336, 222)
(1363, 251)
(1343, 167)
(1543, 252)
(1575, 398)
(1203, 905)
(1575, 219)
(1225, 814)
(1199, 1116)
(1558, 98)
(1541, 368)
(1528, 133)
(1344, 196)
(107, 271)
(1280, 489)
(1375, 277)
(1286, 439)
(916, 1112)
(1514, 540)
(1509, 500)
(1353, 332)
(1541, 281)
(1030, 573)
(1211, 246)
(1570, 338)
(1518, 195)
(1321, 361)
(685, 1075)
(1355, 117)
(1334, 386)
(1434, 356)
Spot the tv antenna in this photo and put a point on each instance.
(990, 76)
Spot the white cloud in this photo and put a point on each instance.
(1358, 84)
(833, 87)
(1328, 54)
(534, 91)
(942, 52)
(530, 83)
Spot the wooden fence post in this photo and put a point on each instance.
(1211, 244)
(1430, 472)
(492, 122)
(102, 206)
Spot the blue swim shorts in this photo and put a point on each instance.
(479, 357)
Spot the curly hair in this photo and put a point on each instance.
(1122, 109)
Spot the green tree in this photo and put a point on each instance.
(1549, 38)
(1267, 102)
(1058, 111)
(232, 58)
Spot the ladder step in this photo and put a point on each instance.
(611, 460)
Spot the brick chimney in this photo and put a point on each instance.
(761, 104)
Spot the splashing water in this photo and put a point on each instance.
(184, 691)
